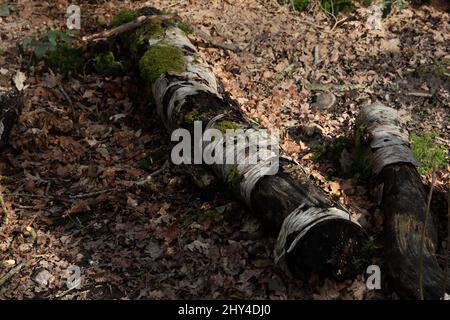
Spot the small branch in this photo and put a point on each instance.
(153, 174)
(61, 88)
(140, 20)
(419, 94)
(91, 194)
(337, 22)
(122, 28)
(29, 195)
(316, 55)
(62, 294)
(10, 273)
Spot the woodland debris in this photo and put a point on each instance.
(10, 274)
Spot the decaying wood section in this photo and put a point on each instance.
(313, 232)
(10, 106)
(402, 196)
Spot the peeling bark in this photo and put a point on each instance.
(313, 233)
(402, 196)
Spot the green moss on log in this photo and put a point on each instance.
(191, 116)
(123, 17)
(233, 177)
(159, 59)
(224, 125)
(151, 29)
(107, 64)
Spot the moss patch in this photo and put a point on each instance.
(233, 177)
(430, 155)
(152, 29)
(107, 64)
(123, 17)
(66, 58)
(191, 116)
(160, 59)
(226, 124)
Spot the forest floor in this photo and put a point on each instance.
(73, 169)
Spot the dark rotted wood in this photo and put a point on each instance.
(10, 106)
(331, 247)
(404, 201)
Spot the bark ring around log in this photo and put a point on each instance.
(304, 241)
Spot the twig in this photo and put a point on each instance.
(153, 174)
(337, 22)
(28, 195)
(18, 205)
(140, 20)
(91, 194)
(173, 5)
(10, 273)
(61, 88)
(62, 294)
(316, 55)
(422, 235)
(419, 94)
(122, 28)
(5, 219)
(293, 5)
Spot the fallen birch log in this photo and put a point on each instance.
(313, 232)
(401, 194)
